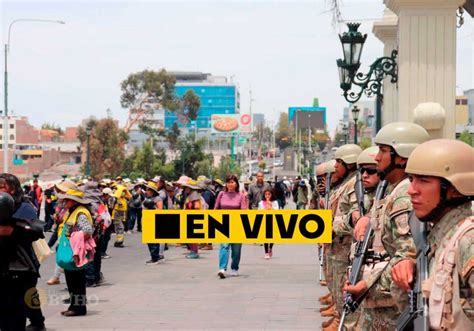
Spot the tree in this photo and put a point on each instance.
(466, 137)
(145, 91)
(106, 147)
(365, 143)
(226, 167)
(191, 152)
(284, 133)
(52, 126)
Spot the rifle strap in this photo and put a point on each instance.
(443, 284)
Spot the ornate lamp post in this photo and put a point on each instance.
(88, 157)
(370, 83)
(355, 116)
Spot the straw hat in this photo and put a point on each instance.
(75, 194)
(182, 180)
(65, 185)
(220, 182)
(192, 184)
(107, 190)
(152, 186)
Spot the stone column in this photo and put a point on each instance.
(386, 31)
(427, 60)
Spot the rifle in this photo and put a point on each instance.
(361, 251)
(321, 246)
(359, 192)
(415, 316)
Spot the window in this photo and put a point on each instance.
(12, 126)
(464, 102)
(12, 137)
(458, 102)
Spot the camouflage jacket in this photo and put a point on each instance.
(392, 236)
(439, 236)
(341, 226)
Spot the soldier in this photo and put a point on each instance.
(392, 243)
(442, 186)
(338, 252)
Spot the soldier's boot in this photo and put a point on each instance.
(329, 312)
(325, 308)
(334, 325)
(325, 324)
(328, 301)
(323, 282)
(324, 297)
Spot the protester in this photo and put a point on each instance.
(135, 208)
(77, 219)
(193, 202)
(230, 198)
(50, 204)
(153, 201)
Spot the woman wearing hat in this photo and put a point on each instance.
(153, 201)
(193, 202)
(77, 218)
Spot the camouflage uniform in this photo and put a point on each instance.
(342, 240)
(462, 304)
(392, 242)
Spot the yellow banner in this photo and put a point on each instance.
(237, 226)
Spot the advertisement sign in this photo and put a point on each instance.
(230, 123)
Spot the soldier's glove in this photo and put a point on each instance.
(357, 289)
(402, 274)
(360, 228)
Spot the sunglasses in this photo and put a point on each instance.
(370, 171)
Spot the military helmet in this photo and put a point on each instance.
(330, 166)
(321, 169)
(368, 156)
(348, 153)
(403, 137)
(446, 158)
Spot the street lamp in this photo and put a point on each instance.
(5, 114)
(371, 83)
(355, 116)
(88, 157)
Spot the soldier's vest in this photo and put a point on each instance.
(378, 217)
(442, 288)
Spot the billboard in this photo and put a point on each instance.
(309, 119)
(230, 123)
(293, 110)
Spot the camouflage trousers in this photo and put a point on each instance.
(378, 319)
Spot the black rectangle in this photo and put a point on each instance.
(167, 226)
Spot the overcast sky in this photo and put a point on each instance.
(284, 51)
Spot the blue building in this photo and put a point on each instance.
(216, 94)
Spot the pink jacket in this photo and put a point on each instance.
(83, 250)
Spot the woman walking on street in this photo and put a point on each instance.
(230, 198)
(193, 202)
(268, 203)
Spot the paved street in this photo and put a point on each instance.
(182, 294)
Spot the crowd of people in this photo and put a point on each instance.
(382, 194)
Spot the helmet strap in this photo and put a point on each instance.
(443, 203)
(383, 173)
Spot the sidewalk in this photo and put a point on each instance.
(181, 294)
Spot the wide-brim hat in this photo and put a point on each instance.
(152, 186)
(192, 184)
(182, 180)
(219, 182)
(75, 194)
(65, 185)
